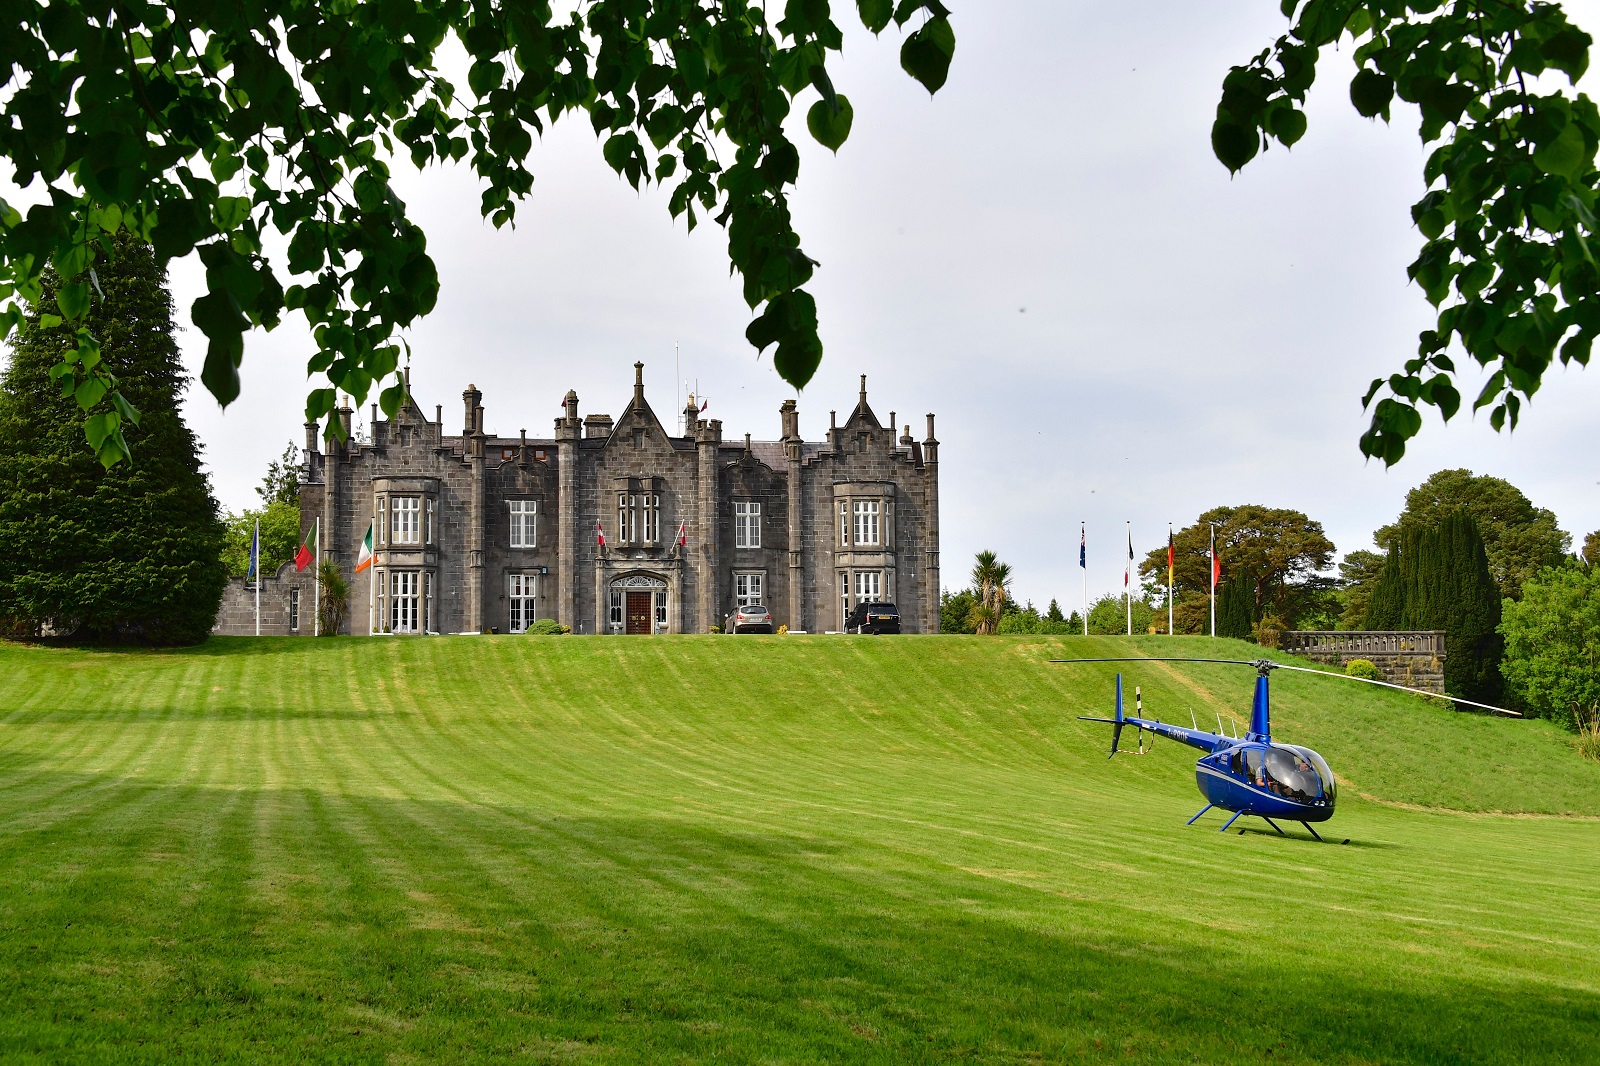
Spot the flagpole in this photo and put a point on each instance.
(255, 550)
(372, 584)
(1213, 581)
(1169, 579)
(1083, 565)
(316, 584)
(1127, 580)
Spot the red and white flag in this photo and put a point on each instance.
(600, 534)
(683, 539)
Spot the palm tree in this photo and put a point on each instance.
(989, 579)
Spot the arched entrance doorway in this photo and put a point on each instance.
(638, 604)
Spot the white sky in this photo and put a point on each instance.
(1046, 254)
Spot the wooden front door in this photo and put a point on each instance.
(640, 609)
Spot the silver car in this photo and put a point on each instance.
(752, 618)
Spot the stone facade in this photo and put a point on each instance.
(617, 526)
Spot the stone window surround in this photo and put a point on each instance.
(746, 523)
(522, 512)
(848, 515)
(426, 491)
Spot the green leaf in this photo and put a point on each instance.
(1288, 125)
(926, 54)
(1566, 155)
(229, 211)
(73, 300)
(1371, 92)
(1233, 144)
(830, 126)
(89, 392)
(875, 14)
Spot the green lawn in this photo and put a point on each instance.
(789, 849)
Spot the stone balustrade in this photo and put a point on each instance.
(1413, 658)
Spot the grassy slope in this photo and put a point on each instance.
(819, 849)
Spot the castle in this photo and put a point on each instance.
(612, 526)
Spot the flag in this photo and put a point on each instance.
(365, 559)
(308, 547)
(255, 553)
(1127, 574)
(683, 539)
(1083, 546)
(600, 534)
(704, 405)
(1169, 557)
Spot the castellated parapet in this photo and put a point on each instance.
(615, 526)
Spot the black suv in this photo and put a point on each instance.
(873, 618)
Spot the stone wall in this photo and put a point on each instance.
(1412, 658)
(237, 615)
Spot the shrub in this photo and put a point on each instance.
(714, 629)
(1588, 739)
(1363, 668)
(1269, 631)
(782, 630)
(546, 627)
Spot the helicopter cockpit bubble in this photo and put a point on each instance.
(1291, 775)
(1330, 787)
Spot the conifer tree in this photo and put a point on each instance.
(129, 553)
(1437, 577)
(1388, 595)
(1236, 607)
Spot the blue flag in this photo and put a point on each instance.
(1083, 547)
(255, 552)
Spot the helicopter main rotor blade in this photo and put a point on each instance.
(1403, 688)
(1157, 659)
(1269, 664)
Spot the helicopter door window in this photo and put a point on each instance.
(1292, 776)
(1252, 766)
(1236, 762)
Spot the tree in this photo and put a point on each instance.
(1552, 656)
(334, 604)
(130, 553)
(955, 610)
(1438, 578)
(1358, 577)
(1283, 552)
(1591, 548)
(1053, 612)
(1236, 608)
(282, 482)
(1108, 615)
(1387, 605)
(990, 584)
(202, 128)
(280, 536)
(1519, 538)
(1509, 216)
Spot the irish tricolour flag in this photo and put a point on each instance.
(365, 559)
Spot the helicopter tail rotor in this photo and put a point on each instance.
(1116, 723)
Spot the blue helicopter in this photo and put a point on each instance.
(1253, 774)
